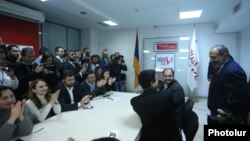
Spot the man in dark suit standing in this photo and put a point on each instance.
(156, 111)
(226, 70)
(70, 64)
(69, 97)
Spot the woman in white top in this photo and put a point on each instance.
(42, 105)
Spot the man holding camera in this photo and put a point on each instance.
(7, 76)
(27, 71)
(115, 71)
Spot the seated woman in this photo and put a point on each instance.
(14, 121)
(105, 76)
(41, 105)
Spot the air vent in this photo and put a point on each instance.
(236, 8)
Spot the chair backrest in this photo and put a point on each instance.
(189, 122)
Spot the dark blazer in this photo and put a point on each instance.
(24, 74)
(231, 73)
(156, 112)
(178, 95)
(85, 90)
(76, 69)
(64, 97)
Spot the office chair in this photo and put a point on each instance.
(190, 123)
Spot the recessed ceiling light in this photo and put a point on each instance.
(146, 51)
(110, 23)
(184, 38)
(43, 0)
(190, 14)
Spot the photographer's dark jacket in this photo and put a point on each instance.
(24, 73)
(231, 73)
(115, 70)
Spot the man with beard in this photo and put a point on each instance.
(13, 55)
(173, 86)
(70, 98)
(226, 71)
(73, 66)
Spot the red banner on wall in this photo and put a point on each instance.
(170, 46)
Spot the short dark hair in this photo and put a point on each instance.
(67, 73)
(57, 49)
(27, 49)
(4, 88)
(45, 56)
(146, 77)
(222, 49)
(168, 69)
(9, 47)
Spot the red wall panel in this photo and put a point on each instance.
(17, 31)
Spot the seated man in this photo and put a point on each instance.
(14, 121)
(155, 110)
(176, 90)
(91, 87)
(69, 97)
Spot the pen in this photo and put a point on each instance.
(110, 98)
(38, 130)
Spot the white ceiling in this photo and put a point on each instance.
(133, 13)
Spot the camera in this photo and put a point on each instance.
(50, 67)
(122, 58)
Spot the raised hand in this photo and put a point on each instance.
(111, 80)
(16, 110)
(85, 99)
(101, 83)
(54, 97)
(23, 103)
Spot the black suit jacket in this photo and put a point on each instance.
(178, 95)
(64, 97)
(156, 111)
(76, 69)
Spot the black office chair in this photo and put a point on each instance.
(190, 123)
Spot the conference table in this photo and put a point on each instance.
(110, 115)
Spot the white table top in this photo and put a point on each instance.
(115, 115)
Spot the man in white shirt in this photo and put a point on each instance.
(69, 97)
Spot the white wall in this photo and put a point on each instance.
(123, 41)
(245, 50)
(89, 39)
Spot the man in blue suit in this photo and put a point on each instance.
(226, 71)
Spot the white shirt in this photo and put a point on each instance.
(71, 95)
(41, 114)
(61, 59)
(5, 80)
